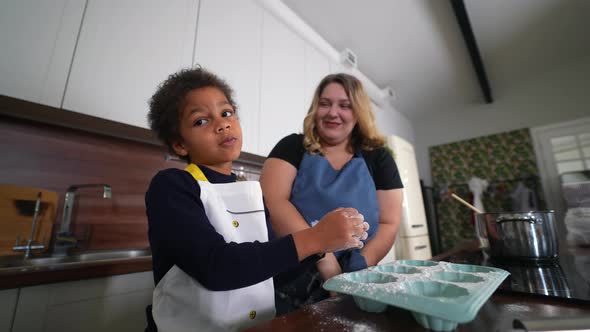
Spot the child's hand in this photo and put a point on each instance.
(343, 228)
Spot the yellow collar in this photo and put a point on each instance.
(196, 172)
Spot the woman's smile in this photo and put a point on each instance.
(331, 124)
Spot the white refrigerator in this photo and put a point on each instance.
(412, 241)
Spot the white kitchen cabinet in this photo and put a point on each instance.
(390, 256)
(412, 238)
(282, 106)
(317, 66)
(38, 40)
(8, 298)
(103, 304)
(417, 247)
(381, 119)
(125, 49)
(378, 112)
(229, 43)
(413, 214)
(375, 107)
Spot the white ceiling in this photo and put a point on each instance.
(416, 47)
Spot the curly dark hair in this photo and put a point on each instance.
(164, 114)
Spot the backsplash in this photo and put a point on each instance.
(504, 160)
(52, 157)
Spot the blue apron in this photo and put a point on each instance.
(319, 189)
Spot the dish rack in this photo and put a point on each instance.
(440, 295)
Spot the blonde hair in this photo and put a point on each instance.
(364, 136)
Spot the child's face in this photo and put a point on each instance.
(210, 131)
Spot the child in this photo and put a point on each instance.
(212, 247)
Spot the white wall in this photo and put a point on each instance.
(392, 122)
(389, 120)
(556, 95)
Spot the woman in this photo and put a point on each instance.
(339, 160)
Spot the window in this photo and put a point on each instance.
(572, 152)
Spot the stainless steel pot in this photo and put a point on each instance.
(526, 235)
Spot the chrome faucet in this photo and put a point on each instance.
(65, 239)
(31, 242)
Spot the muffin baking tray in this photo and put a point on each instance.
(439, 294)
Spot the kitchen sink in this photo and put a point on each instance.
(12, 262)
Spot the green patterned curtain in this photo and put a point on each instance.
(503, 160)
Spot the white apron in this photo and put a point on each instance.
(180, 303)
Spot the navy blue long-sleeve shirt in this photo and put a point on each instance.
(180, 234)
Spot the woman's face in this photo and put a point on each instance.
(335, 117)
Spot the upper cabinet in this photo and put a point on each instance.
(282, 106)
(38, 40)
(229, 38)
(125, 49)
(106, 58)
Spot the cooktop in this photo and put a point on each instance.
(567, 276)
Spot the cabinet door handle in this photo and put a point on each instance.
(417, 225)
(420, 247)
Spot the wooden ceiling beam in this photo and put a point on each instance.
(470, 42)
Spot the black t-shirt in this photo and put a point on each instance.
(380, 163)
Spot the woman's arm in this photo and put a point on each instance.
(390, 208)
(276, 180)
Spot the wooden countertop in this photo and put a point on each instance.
(340, 313)
(32, 276)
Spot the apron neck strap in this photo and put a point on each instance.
(196, 172)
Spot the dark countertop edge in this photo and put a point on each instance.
(73, 272)
(38, 113)
(466, 246)
(473, 247)
(507, 304)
